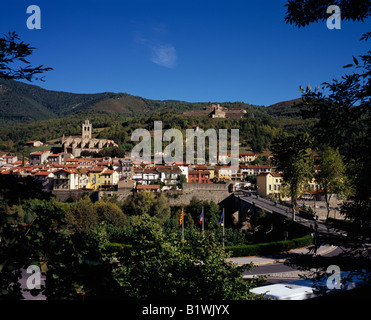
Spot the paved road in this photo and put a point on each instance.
(279, 271)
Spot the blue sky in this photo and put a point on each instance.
(196, 51)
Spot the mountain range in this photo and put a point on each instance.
(24, 103)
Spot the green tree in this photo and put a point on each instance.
(85, 153)
(110, 213)
(82, 216)
(114, 152)
(161, 209)
(14, 190)
(293, 156)
(331, 176)
(212, 212)
(180, 180)
(139, 204)
(251, 178)
(304, 12)
(36, 235)
(76, 266)
(14, 52)
(343, 112)
(146, 204)
(159, 267)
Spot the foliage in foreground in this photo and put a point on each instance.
(80, 266)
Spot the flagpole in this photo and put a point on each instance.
(182, 226)
(223, 226)
(203, 221)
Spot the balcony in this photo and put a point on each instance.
(63, 186)
(61, 178)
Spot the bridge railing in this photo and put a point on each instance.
(267, 201)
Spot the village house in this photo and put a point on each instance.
(228, 173)
(34, 143)
(269, 185)
(148, 188)
(126, 184)
(313, 191)
(248, 170)
(10, 158)
(65, 179)
(38, 157)
(124, 167)
(5, 171)
(211, 169)
(83, 177)
(71, 178)
(55, 158)
(222, 157)
(95, 178)
(87, 162)
(145, 175)
(199, 176)
(46, 179)
(16, 172)
(82, 162)
(169, 175)
(184, 168)
(247, 157)
(109, 180)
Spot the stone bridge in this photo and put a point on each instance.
(248, 204)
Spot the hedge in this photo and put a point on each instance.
(260, 249)
(115, 247)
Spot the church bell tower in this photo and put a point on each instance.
(86, 130)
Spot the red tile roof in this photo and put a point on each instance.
(42, 173)
(148, 187)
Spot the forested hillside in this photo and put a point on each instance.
(287, 115)
(28, 112)
(25, 103)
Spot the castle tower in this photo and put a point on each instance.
(86, 130)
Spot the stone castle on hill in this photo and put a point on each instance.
(75, 145)
(217, 111)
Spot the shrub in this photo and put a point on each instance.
(269, 247)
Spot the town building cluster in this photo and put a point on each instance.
(70, 171)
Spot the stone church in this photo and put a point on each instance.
(75, 145)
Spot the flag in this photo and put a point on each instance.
(181, 218)
(201, 216)
(221, 218)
